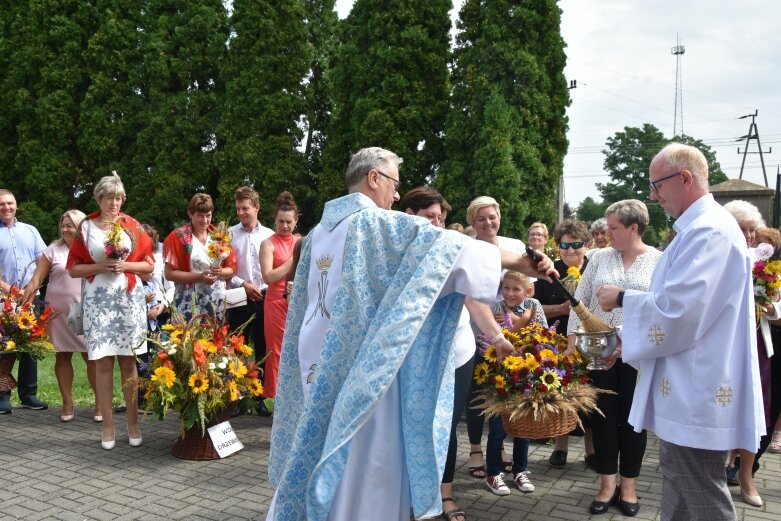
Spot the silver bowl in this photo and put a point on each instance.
(596, 346)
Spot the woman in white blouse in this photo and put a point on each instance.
(628, 263)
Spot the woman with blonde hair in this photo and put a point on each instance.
(62, 292)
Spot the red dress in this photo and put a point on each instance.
(275, 314)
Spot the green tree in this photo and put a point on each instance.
(511, 50)
(590, 210)
(43, 84)
(627, 158)
(267, 62)
(182, 44)
(390, 88)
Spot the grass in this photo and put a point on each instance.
(49, 391)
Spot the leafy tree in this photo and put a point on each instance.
(513, 51)
(390, 88)
(264, 100)
(182, 44)
(43, 84)
(590, 210)
(627, 158)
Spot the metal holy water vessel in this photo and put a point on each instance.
(596, 346)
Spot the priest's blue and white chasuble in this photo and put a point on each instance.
(363, 409)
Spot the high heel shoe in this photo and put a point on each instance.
(134, 442)
(108, 445)
(97, 418)
(66, 417)
(754, 501)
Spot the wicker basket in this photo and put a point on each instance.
(524, 425)
(193, 446)
(7, 381)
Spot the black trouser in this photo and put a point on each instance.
(253, 333)
(461, 389)
(614, 437)
(26, 380)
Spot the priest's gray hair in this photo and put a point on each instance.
(109, 186)
(685, 157)
(745, 212)
(629, 212)
(367, 159)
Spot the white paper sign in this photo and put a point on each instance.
(224, 439)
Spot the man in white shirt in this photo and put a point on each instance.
(247, 236)
(692, 338)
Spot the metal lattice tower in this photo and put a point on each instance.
(677, 51)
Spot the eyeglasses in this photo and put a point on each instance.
(396, 184)
(534, 234)
(575, 245)
(655, 184)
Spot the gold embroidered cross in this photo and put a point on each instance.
(666, 390)
(656, 335)
(724, 395)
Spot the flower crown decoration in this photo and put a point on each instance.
(539, 378)
(22, 327)
(198, 369)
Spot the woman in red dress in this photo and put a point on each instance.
(276, 260)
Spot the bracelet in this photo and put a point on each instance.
(495, 339)
(620, 299)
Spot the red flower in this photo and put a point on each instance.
(543, 388)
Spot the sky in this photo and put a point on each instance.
(619, 52)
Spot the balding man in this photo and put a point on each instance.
(692, 338)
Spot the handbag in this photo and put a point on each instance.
(76, 314)
(235, 297)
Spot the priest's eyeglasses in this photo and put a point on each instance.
(574, 245)
(396, 184)
(655, 184)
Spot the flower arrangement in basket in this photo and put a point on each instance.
(219, 244)
(199, 370)
(538, 390)
(22, 327)
(766, 274)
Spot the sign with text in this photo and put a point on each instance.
(224, 439)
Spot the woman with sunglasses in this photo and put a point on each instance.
(571, 237)
(628, 263)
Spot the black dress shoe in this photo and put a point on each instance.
(600, 507)
(629, 509)
(558, 459)
(31, 402)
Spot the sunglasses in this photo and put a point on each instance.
(575, 245)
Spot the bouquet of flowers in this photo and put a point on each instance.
(22, 328)
(537, 382)
(219, 243)
(198, 369)
(572, 279)
(766, 274)
(115, 246)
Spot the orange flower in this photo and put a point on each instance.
(198, 354)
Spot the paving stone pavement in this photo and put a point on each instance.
(57, 471)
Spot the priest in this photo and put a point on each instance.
(692, 337)
(364, 404)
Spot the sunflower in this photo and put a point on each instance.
(531, 362)
(234, 391)
(490, 354)
(499, 382)
(255, 387)
(26, 320)
(481, 372)
(164, 376)
(198, 383)
(551, 379)
(548, 353)
(237, 368)
(10, 345)
(514, 363)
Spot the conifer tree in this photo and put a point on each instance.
(508, 53)
(390, 88)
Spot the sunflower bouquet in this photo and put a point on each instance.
(538, 383)
(198, 369)
(219, 243)
(23, 327)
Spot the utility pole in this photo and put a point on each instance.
(678, 51)
(753, 133)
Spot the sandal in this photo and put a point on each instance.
(450, 514)
(476, 472)
(775, 443)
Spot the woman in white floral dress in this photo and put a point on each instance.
(198, 273)
(111, 250)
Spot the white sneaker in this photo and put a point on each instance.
(496, 485)
(523, 482)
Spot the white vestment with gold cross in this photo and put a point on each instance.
(692, 338)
